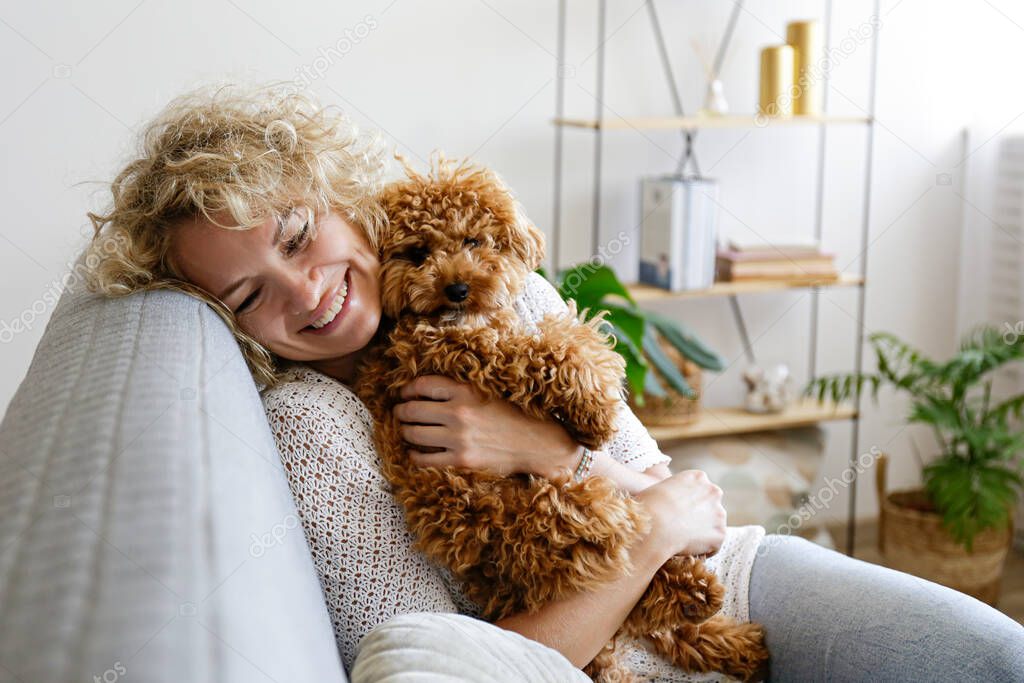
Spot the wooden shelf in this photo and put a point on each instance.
(724, 421)
(649, 293)
(693, 122)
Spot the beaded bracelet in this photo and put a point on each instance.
(583, 468)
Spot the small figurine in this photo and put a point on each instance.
(768, 391)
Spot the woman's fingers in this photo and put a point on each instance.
(425, 412)
(438, 459)
(433, 387)
(427, 435)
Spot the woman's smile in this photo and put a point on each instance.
(304, 286)
(336, 306)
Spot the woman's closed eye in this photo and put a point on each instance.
(249, 300)
(290, 248)
(299, 240)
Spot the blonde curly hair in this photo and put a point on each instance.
(249, 150)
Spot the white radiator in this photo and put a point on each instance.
(992, 246)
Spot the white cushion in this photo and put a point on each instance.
(452, 648)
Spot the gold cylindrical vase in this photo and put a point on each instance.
(776, 81)
(805, 39)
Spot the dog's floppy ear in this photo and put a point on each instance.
(521, 237)
(526, 241)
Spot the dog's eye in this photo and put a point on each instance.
(471, 242)
(417, 254)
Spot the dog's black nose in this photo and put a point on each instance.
(457, 291)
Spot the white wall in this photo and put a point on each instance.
(477, 78)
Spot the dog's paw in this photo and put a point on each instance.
(749, 656)
(704, 599)
(718, 645)
(682, 591)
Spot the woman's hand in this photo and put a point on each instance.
(495, 435)
(688, 518)
(687, 513)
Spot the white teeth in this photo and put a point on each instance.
(335, 306)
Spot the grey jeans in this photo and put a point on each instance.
(829, 617)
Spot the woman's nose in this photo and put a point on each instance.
(304, 294)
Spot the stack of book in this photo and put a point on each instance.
(790, 262)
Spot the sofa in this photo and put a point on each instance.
(147, 531)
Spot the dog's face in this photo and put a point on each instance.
(456, 248)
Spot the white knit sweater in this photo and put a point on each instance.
(362, 550)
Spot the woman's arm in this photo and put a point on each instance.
(627, 479)
(497, 436)
(580, 625)
(501, 438)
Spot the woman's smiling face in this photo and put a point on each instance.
(304, 297)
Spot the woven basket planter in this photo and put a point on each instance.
(674, 408)
(912, 539)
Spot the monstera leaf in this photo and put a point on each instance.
(637, 332)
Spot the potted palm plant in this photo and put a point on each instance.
(663, 358)
(956, 530)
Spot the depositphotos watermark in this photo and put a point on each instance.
(1013, 333)
(821, 499)
(274, 537)
(331, 54)
(111, 675)
(76, 274)
(574, 279)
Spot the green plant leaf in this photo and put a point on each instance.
(629, 321)
(971, 496)
(686, 342)
(597, 288)
(636, 380)
(901, 364)
(841, 387)
(665, 366)
(982, 350)
(1010, 408)
(624, 344)
(590, 285)
(652, 386)
(636, 364)
(938, 411)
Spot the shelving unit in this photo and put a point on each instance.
(647, 293)
(727, 421)
(695, 122)
(722, 421)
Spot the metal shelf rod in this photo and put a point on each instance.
(819, 218)
(556, 223)
(595, 239)
(858, 360)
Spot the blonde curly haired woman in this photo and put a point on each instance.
(263, 204)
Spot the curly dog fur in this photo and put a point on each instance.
(453, 259)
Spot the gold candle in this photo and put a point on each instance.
(776, 81)
(805, 39)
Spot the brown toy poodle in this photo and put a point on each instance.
(453, 259)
